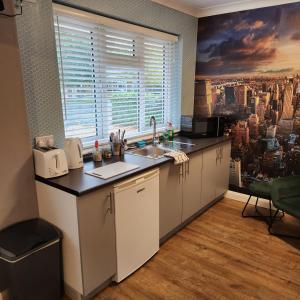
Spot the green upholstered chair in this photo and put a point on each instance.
(285, 194)
(260, 190)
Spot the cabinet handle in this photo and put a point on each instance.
(141, 190)
(111, 198)
(221, 152)
(185, 170)
(180, 171)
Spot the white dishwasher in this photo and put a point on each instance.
(137, 222)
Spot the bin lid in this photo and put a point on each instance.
(22, 238)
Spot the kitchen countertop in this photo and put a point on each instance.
(78, 183)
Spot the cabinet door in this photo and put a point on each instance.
(209, 173)
(192, 187)
(170, 198)
(223, 169)
(97, 237)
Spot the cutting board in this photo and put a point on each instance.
(112, 170)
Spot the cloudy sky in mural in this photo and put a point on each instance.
(256, 42)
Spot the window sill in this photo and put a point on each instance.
(147, 137)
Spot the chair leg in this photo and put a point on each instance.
(243, 215)
(256, 202)
(270, 211)
(265, 217)
(270, 215)
(272, 219)
(258, 215)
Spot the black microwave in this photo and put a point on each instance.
(196, 127)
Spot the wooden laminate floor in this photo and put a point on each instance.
(220, 255)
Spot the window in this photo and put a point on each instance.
(113, 78)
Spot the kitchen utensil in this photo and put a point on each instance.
(123, 134)
(111, 137)
(116, 149)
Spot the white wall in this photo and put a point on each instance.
(233, 6)
(196, 8)
(17, 192)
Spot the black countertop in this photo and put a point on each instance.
(78, 183)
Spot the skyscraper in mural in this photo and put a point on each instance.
(241, 95)
(203, 98)
(248, 71)
(229, 95)
(288, 110)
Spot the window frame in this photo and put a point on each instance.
(139, 66)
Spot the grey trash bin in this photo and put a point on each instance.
(30, 261)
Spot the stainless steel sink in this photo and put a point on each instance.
(150, 151)
(175, 145)
(158, 151)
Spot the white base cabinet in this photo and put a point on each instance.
(183, 194)
(170, 198)
(215, 175)
(223, 169)
(96, 223)
(180, 193)
(87, 224)
(192, 185)
(209, 176)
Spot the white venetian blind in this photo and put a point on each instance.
(112, 78)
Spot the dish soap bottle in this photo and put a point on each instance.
(170, 131)
(97, 155)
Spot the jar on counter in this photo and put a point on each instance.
(106, 151)
(97, 153)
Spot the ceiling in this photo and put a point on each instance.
(201, 8)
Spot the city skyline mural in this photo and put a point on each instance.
(247, 71)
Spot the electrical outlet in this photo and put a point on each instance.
(10, 7)
(44, 141)
(4, 295)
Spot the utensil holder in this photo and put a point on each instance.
(116, 149)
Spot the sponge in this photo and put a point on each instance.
(141, 144)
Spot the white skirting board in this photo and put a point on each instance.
(244, 197)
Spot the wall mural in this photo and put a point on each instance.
(248, 66)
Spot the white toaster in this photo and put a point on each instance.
(50, 163)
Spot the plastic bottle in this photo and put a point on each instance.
(97, 154)
(170, 131)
